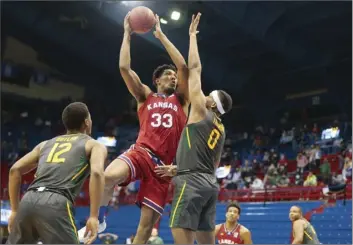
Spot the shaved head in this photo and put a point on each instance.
(295, 213)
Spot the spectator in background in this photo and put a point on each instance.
(302, 162)
(282, 164)
(315, 131)
(311, 180)
(317, 156)
(247, 173)
(108, 238)
(273, 157)
(155, 239)
(337, 179)
(325, 170)
(227, 156)
(281, 169)
(283, 160)
(266, 159)
(130, 239)
(271, 176)
(257, 184)
(231, 181)
(347, 169)
(311, 156)
(283, 180)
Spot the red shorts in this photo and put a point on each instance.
(153, 190)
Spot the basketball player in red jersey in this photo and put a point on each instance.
(231, 232)
(162, 117)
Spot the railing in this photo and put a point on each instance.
(281, 194)
(266, 195)
(249, 195)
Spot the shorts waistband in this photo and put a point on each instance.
(56, 191)
(193, 171)
(153, 156)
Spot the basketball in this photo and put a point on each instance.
(141, 19)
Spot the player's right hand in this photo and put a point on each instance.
(165, 171)
(127, 27)
(91, 232)
(11, 221)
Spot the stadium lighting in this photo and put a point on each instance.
(163, 21)
(175, 15)
(130, 3)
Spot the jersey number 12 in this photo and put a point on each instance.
(54, 154)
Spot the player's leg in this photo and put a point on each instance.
(116, 173)
(183, 236)
(206, 229)
(186, 209)
(23, 231)
(148, 219)
(205, 237)
(121, 170)
(151, 197)
(55, 220)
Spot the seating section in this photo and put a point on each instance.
(268, 223)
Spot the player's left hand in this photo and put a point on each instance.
(194, 24)
(166, 171)
(158, 33)
(11, 221)
(91, 232)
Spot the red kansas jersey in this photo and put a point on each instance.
(162, 121)
(229, 237)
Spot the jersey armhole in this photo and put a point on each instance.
(220, 228)
(144, 103)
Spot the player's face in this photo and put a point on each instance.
(210, 103)
(232, 214)
(167, 82)
(294, 213)
(88, 124)
(154, 232)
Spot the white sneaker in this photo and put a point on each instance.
(102, 226)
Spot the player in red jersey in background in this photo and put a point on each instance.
(231, 232)
(162, 117)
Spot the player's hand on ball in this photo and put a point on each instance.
(158, 32)
(194, 24)
(127, 27)
(166, 171)
(91, 232)
(11, 221)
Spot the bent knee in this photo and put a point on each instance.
(116, 172)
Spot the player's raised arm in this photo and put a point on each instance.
(177, 59)
(22, 166)
(133, 82)
(197, 97)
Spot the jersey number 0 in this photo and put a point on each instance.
(213, 139)
(54, 154)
